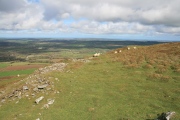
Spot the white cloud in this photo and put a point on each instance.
(110, 27)
(147, 12)
(11, 5)
(92, 16)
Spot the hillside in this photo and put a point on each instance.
(130, 83)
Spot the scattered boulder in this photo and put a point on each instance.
(50, 101)
(25, 88)
(18, 94)
(35, 89)
(42, 86)
(48, 88)
(11, 95)
(39, 99)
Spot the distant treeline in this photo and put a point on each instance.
(7, 58)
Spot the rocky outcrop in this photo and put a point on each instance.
(54, 67)
(166, 116)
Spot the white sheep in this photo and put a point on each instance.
(128, 48)
(134, 47)
(96, 55)
(115, 52)
(120, 51)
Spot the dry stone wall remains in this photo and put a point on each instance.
(35, 84)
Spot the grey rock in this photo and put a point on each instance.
(35, 89)
(3, 100)
(25, 88)
(39, 99)
(42, 86)
(11, 95)
(50, 101)
(17, 94)
(48, 88)
(169, 115)
(166, 116)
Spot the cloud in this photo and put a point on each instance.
(22, 18)
(110, 27)
(11, 5)
(92, 16)
(147, 12)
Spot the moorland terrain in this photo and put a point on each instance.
(121, 84)
(21, 57)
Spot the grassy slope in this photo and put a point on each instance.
(134, 85)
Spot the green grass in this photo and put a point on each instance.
(16, 72)
(102, 90)
(3, 65)
(106, 89)
(115, 93)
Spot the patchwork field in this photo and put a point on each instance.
(13, 72)
(48, 51)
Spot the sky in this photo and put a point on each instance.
(114, 19)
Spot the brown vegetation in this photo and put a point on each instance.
(165, 55)
(20, 67)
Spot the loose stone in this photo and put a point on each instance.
(39, 99)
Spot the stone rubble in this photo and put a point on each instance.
(81, 60)
(34, 84)
(56, 66)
